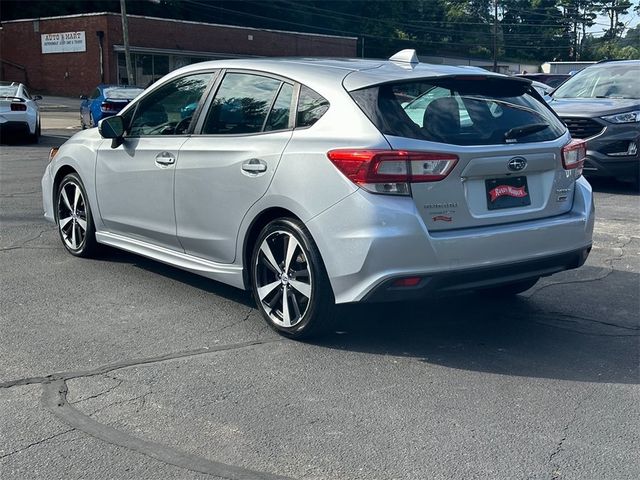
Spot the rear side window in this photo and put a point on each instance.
(459, 111)
(279, 115)
(241, 104)
(311, 106)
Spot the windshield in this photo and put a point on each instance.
(603, 81)
(459, 111)
(8, 91)
(122, 93)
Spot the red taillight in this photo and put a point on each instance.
(573, 155)
(109, 107)
(391, 171)
(18, 107)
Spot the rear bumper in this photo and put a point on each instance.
(368, 240)
(12, 129)
(476, 278)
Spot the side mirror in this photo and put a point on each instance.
(112, 127)
(37, 97)
(83, 97)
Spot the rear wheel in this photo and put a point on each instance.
(74, 219)
(510, 289)
(289, 282)
(35, 136)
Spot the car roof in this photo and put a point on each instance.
(322, 73)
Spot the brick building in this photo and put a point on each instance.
(70, 55)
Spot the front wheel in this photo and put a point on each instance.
(289, 282)
(74, 218)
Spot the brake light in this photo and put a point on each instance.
(391, 171)
(109, 107)
(18, 107)
(573, 155)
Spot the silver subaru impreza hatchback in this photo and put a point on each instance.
(317, 182)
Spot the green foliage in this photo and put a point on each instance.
(536, 30)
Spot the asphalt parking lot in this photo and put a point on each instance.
(121, 367)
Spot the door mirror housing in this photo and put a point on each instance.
(37, 97)
(83, 97)
(112, 127)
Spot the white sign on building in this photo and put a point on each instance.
(63, 42)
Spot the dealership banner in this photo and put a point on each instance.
(63, 42)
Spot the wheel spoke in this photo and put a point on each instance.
(267, 289)
(73, 235)
(76, 197)
(296, 307)
(300, 273)
(303, 288)
(266, 250)
(65, 199)
(292, 245)
(64, 222)
(286, 315)
(82, 224)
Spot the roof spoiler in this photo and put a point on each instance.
(408, 55)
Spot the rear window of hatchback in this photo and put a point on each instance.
(460, 111)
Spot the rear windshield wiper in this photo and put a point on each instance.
(524, 130)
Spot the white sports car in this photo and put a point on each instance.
(19, 113)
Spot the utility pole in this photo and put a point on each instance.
(125, 39)
(362, 49)
(495, 35)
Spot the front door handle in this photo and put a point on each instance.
(255, 165)
(165, 159)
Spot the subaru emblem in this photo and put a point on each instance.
(517, 164)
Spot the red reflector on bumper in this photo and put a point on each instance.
(407, 282)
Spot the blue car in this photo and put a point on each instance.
(105, 101)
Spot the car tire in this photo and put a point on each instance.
(83, 126)
(74, 218)
(510, 289)
(91, 122)
(295, 271)
(35, 136)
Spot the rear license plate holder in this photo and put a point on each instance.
(507, 192)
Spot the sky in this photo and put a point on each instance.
(632, 20)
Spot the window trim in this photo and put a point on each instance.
(134, 106)
(223, 72)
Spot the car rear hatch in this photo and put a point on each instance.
(482, 149)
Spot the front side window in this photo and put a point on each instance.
(459, 111)
(170, 108)
(241, 104)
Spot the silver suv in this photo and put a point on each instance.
(314, 182)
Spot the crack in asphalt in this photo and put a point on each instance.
(577, 319)
(54, 396)
(556, 472)
(608, 270)
(104, 392)
(130, 363)
(37, 443)
(19, 194)
(22, 244)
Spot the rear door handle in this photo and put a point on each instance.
(165, 159)
(255, 165)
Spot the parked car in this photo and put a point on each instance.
(306, 182)
(19, 113)
(554, 80)
(601, 104)
(104, 101)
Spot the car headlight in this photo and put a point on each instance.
(626, 117)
